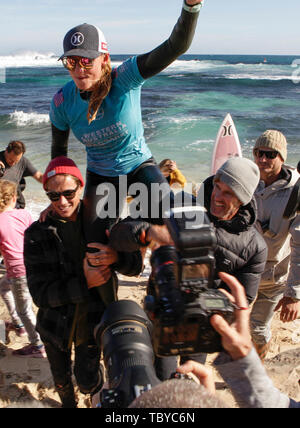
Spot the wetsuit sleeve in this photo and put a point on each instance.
(60, 126)
(177, 44)
(59, 145)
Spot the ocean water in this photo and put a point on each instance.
(183, 108)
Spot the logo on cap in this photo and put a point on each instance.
(51, 173)
(104, 47)
(77, 39)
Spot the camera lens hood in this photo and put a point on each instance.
(122, 310)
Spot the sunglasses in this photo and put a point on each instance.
(269, 154)
(68, 194)
(70, 62)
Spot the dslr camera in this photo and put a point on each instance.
(183, 298)
(124, 335)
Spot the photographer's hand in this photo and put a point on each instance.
(236, 338)
(204, 374)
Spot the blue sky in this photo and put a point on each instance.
(136, 26)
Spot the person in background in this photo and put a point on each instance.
(279, 288)
(102, 107)
(14, 166)
(13, 286)
(174, 176)
(70, 286)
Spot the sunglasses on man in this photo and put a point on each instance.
(269, 154)
(68, 194)
(69, 62)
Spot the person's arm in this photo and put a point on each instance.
(59, 145)
(249, 382)
(289, 305)
(137, 234)
(38, 176)
(239, 364)
(129, 263)
(178, 43)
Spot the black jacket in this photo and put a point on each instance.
(57, 283)
(241, 251)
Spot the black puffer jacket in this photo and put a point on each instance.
(241, 251)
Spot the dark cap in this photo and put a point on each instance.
(84, 40)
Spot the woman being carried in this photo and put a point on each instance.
(102, 107)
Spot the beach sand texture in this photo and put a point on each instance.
(29, 380)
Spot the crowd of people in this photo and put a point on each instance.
(66, 263)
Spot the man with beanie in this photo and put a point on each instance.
(280, 282)
(228, 199)
(240, 250)
(70, 286)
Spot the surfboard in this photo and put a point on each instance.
(227, 144)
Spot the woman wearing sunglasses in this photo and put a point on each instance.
(102, 108)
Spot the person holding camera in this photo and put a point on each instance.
(279, 287)
(238, 364)
(14, 166)
(70, 286)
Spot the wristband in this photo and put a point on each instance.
(192, 9)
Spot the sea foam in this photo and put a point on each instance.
(29, 59)
(20, 118)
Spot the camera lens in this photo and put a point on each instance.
(2, 171)
(125, 337)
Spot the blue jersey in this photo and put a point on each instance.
(114, 141)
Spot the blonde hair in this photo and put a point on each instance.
(8, 190)
(99, 92)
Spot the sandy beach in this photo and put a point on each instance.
(29, 380)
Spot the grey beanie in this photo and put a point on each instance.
(241, 175)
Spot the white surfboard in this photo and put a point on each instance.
(227, 144)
